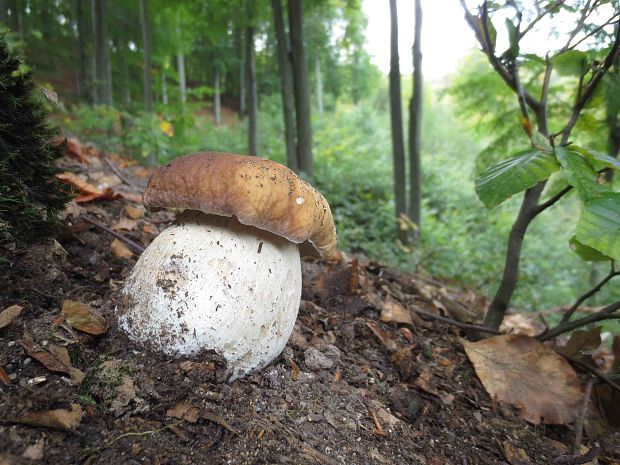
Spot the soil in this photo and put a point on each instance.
(348, 389)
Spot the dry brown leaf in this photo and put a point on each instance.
(515, 455)
(120, 250)
(582, 344)
(382, 335)
(521, 371)
(125, 223)
(134, 212)
(80, 184)
(184, 411)
(35, 451)
(83, 318)
(75, 151)
(4, 377)
(394, 312)
(9, 314)
(67, 419)
(51, 357)
(136, 198)
(615, 349)
(107, 194)
(518, 323)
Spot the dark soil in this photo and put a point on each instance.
(348, 388)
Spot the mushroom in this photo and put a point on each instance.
(226, 276)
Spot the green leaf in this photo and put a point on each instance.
(513, 175)
(586, 253)
(598, 159)
(535, 58)
(570, 63)
(513, 37)
(599, 224)
(490, 27)
(580, 174)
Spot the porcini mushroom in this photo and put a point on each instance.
(227, 275)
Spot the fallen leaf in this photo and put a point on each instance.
(184, 411)
(382, 335)
(120, 250)
(215, 418)
(75, 150)
(582, 344)
(521, 371)
(615, 349)
(514, 455)
(52, 357)
(35, 451)
(126, 224)
(83, 318)
(394, 312)
(134, 212)
(89, 191)
(4, 377)
(107, 194)
(9, 314)
(67, 419)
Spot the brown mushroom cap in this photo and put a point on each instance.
(259, 192)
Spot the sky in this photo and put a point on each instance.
(446, 37)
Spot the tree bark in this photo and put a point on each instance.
(4, 12)
(217, 101)
(146, 47)
(252, 91)
(319, 84)
(81, 49)
(164, 87)
(415, 127)
(286, 85)
(396, 117)
(102, 69)
(242, 83)
(182, 82)
(302, 88)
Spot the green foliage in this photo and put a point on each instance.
(30, 195)
(599, 224)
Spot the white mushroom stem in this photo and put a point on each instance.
(209, 282)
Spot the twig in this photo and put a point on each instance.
(539, 17)
(582, 415)
(458, 324)
(612, 273)
(594, 31)
(550, 202)
(119, 173)
(593, 370)
(578, 459)
(606, 313)
(137, 247)
(378, 428)
(584, 15)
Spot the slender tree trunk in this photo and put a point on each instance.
(102, 69)
(613, 125)
(146, 47)
(319, 84)
(164, 88)
(252, 95)
(302, 88)
(4, 7)
(126, 84)
(242, 83)
(182, 83)
(217, 100)
(415, 127)
(95, 85)
(15, 12)
(81, 49)
(396, 116)
(286, 85)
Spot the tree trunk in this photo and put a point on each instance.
(126, 84)
(286, 85)
(217, 101)
(146, 47)
(182, 83)
(319, 84)
(81, 49)
(164, 88)
(396, 117)
(102, 69)
(4, 12)
(252, 91)
(415, 127)
(302, 88)
(242, 83)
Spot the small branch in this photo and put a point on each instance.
(596, 30)
(584, 15)
(540, 16)
(607, 313)
(551, 201)
(137, 247)
(582, 416)
(119, 173)
(452, 322)
(594, 371)
(612, 273)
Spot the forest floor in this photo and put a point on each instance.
(361, 381)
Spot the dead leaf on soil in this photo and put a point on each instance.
(89, 191)
(394, 312)
(126, 224)
(134, 212)
(75, 150)
(521, 371)
(52, 357)
(120, 250)
(4, 377)
(9, 314)
(83, 318)
(35, 451)
(514, 455)
(184, 411)
(67, 419)
(582, 344)
(615, 349)
(382, 335)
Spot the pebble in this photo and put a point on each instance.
(26, 361)
(315, 360)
